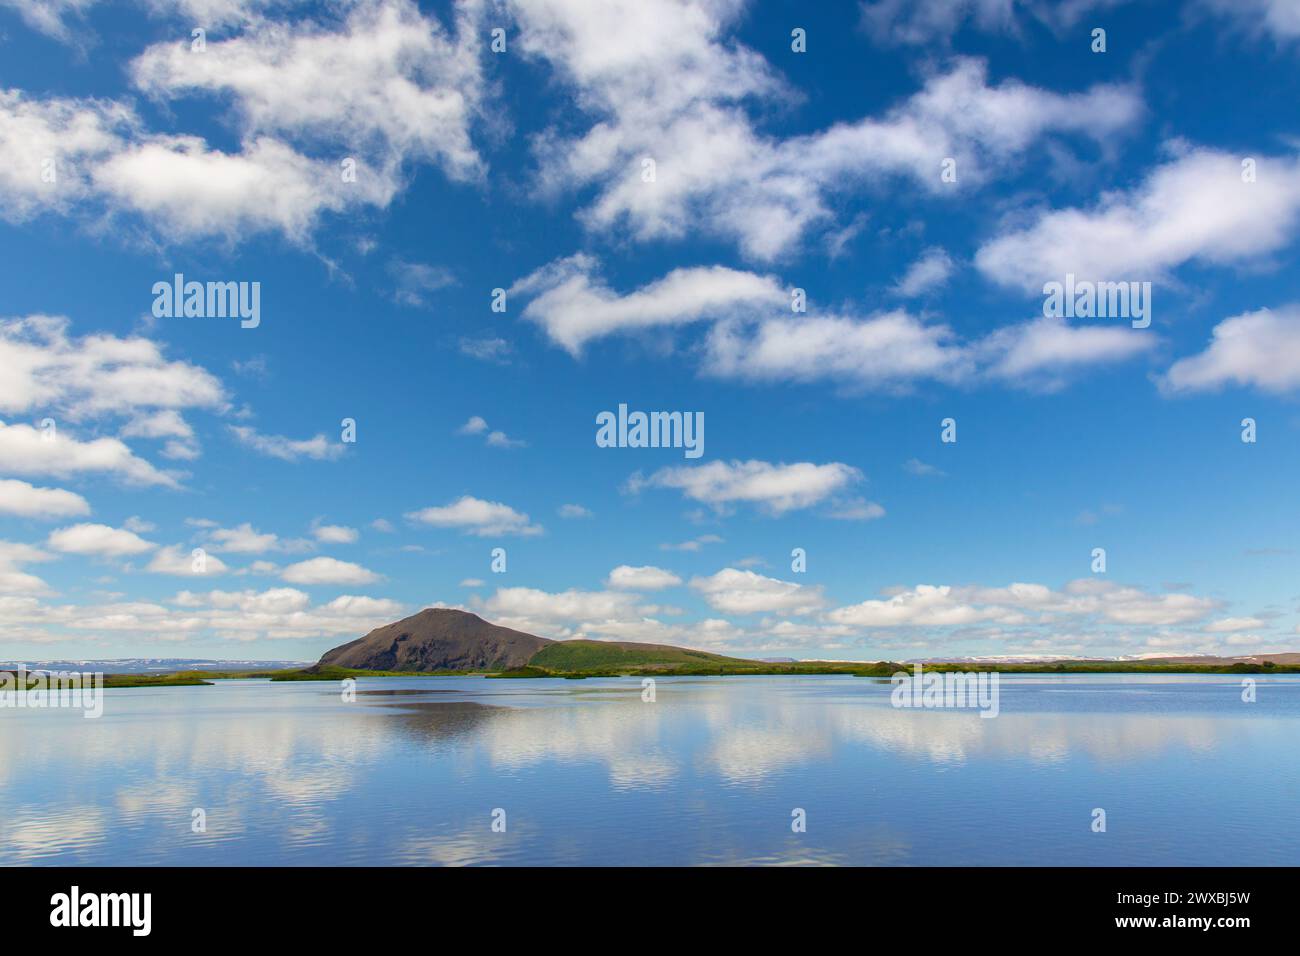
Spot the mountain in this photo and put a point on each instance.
(438, 639)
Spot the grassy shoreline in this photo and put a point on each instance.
(701, 669)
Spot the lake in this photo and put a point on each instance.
(416, 771)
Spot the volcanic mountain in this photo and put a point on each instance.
(442, 639)
(438, 639)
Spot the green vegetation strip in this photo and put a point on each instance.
(586, 662)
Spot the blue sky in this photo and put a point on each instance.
(523, 170)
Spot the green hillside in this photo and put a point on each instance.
(566, 656)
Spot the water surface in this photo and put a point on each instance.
(709, 773)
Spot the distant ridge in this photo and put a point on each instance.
(437, 639)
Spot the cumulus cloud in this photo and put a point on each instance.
(98, 540)
(101, 374)
(328, 571)
(1194, 208)
(733, 591)
(888, 350)
(945, 606)
(928, 273)
(25, 450)
(476, 516)
(379, 88)
(644, 578)
(242, 539)
(178, 560)
(1260, 349)
(274, 614)
(334, 533)
(477, 425)
(753, 336)
(664, 81)
(775, 488)
(13, 580)
(1045, 352)
(387, 80)
(27, 501)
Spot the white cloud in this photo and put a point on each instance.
(387, 86)
(934, 268)
(49, 16)
(243, 539)
(383, 525)
(732, 591)
(327, 571)
(921, 22)
(664, 80)
(1260, 349)
(25, 451)
(477, 425)
(644, 578)
(1228, 625)
(28, 501)
(1193, 208)
(318, 448)
(887, 350)
(568, 605)
(1044, 352)
(334, 533)
(389, 81)
(1279, 18)
(490, 348)
(166, 423)
(693, 545)
(575, 307)
(417, 280)
(178, 560)
(574, 511)
(917, 467)
(189, 191)
(477, 517)
(100, 374)
(13, 580)
(98, 540)
(856, 509)
(77, 135)
(776, 488)
(755, 337)
(1016, 605)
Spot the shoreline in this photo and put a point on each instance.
(882, 669)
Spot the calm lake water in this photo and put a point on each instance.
(588, 773)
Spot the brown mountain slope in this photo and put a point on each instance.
(437, 639)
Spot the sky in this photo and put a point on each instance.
(825, 229)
